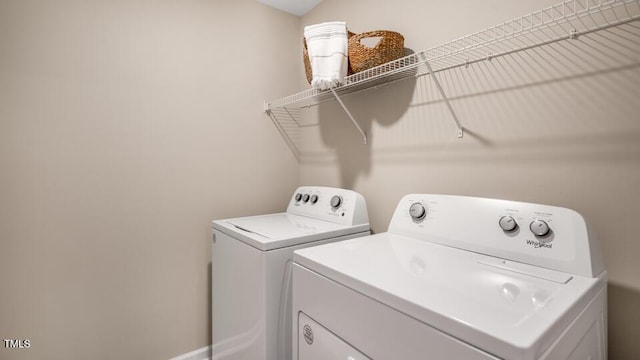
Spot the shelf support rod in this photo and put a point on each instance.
(444, 97)
(364, 135)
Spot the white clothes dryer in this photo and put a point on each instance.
(455, 278)
(251, 269)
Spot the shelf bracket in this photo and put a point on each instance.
(445, 98)
(573, 34)
(364, 135)
(266, 108)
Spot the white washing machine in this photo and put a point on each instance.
(455, 278)
(251, 269)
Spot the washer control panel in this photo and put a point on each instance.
(331, 204)
(542, 235)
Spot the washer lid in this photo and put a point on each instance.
(508, 309)
(267, 232)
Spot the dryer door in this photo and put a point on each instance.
(317, 343)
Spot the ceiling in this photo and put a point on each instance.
(296, 7)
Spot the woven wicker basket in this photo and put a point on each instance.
(307, 63)
(389, 48)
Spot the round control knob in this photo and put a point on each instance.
(508, 223)
(298, 197)
(539, 227)
(336, 201)
(305, 198)
(314, 199)
(417, 211)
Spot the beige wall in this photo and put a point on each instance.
(125, 128)
(557, 125)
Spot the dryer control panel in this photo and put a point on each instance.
(547, 236)
(340, 206)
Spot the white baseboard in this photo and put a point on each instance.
(200, 354)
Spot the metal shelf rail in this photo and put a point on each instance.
(564, 21)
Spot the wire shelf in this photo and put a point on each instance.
(564, 21)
